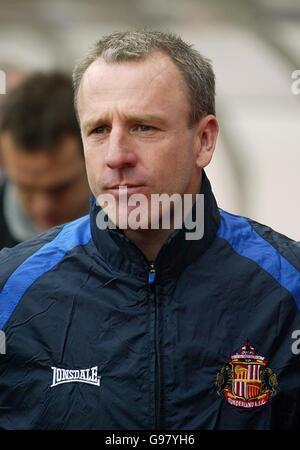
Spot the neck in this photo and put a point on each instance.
(148, 241)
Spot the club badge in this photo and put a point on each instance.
(245, 380)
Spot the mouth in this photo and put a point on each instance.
(130, 188)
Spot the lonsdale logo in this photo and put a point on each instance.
(89, 376)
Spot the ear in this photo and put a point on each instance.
(207, 132)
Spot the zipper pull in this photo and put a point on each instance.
(151, 274)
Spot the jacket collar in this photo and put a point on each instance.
(176, 253)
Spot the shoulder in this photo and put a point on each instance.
(48, 247)
(22, 265)
(284, 245)
(273, 252)
(246, 234)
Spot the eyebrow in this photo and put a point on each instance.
(139, 118)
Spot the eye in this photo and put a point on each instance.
(144, 128)
(99, 130)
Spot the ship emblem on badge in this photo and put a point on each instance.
(245, 380)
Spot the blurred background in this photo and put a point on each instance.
(254, 46)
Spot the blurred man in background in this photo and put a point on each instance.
(13, 76)
(45, 177)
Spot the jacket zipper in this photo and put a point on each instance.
(151, 282)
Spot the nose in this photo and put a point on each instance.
(120, 152)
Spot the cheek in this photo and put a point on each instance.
(92, 182)
(178, 158)
(178, 169)
(92, 167)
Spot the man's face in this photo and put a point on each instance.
(134, 120)
(52, 186)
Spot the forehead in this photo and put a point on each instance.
(154, 81)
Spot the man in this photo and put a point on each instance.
(46, 182)
(10, 77)
(129, 327)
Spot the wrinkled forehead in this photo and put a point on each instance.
(155, 75)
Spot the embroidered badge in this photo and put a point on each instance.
(245, 380)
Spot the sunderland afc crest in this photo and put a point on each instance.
(245, 380)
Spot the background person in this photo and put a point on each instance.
(42, 157)
(13, 76)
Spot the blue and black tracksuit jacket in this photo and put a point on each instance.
(99, 338)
